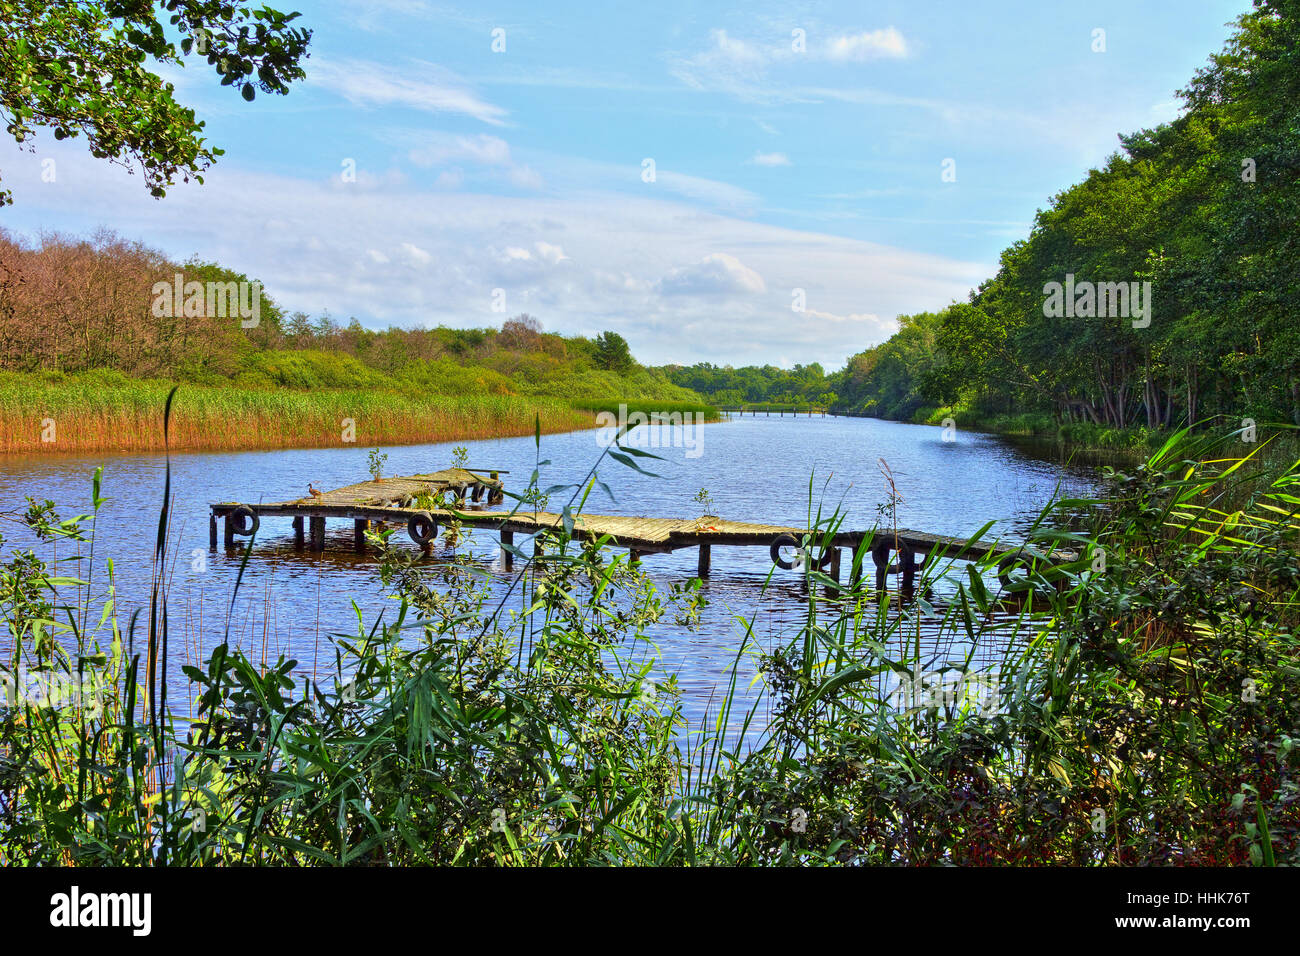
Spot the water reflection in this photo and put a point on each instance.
(756, 469)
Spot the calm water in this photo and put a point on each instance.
(756, 469)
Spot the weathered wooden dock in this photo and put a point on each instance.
(468, 497)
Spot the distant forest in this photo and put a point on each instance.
(1206, 209)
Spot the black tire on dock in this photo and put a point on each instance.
(477, 493)
(779, 542)
(244, 521)
(421, 527)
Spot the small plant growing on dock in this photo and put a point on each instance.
(459, 456)
(536, 499)
(376, 465)
(705, 501)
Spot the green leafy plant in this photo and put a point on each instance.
(705, 501)
(375, 465)
(54, 53)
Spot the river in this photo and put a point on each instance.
(754, 468)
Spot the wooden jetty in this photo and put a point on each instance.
(468, 495)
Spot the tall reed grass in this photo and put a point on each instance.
(101, 414)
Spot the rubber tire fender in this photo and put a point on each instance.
(779, 542)
(421, 527)
(244, 521)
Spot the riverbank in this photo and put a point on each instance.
(106, 414)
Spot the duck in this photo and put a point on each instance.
(314, 492)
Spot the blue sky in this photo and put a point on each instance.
(777, 167)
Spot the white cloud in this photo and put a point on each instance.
(449, 179)
(868, 317)
(741, 67)
(680, 282)
(771, 159)
(415, 255)
(549, 253)
(525, 177)
(868, 45)
(715, 274)
(711, 191)
(418, 84)
(484, 149)
(727, 63)
(733, 51)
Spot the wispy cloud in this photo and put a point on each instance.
(447, 152)
(483, 148)
(718, 194)
(868, 45)
(771, 159)
(417, 85)
(741, 67)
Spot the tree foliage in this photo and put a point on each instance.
(85, 69)
(1205, 209)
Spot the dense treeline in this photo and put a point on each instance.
(72, 305)
(724, 385)
(1204, 209)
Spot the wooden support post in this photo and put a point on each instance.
(298, 534)
(212, 532)
(908, 568)
(359, 534)
(634, 556)
(318, 534)
(508, 537)
(702, 568)
(230, 531)
(835, 573)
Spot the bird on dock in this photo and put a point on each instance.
(315, 492)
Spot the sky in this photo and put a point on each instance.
(773, 184)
